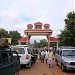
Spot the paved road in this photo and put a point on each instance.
(40, 68)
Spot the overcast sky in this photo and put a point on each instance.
(16, 14)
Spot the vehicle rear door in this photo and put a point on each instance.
(28, 53)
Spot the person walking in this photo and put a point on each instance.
(42, 56)
(50, 58)
(46, 55)
(39, 54)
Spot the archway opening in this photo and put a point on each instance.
(37, 38)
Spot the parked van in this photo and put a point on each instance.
(24, 53)
(65, 58)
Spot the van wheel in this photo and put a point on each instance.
(63, 68)
(17, 73)
(29, 64)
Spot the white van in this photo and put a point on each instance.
(24, 53)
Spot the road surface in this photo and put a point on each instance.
(42, 69)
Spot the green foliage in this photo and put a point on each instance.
(53, 44)
(15, 36)
(12, 34)
(67, 36)
(42, 43)
(3, 33)
(23, 43)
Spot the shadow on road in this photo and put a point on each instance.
(70, 71)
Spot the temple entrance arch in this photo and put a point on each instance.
(39, 29)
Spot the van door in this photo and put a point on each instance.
(28, 57)
(29, 53)
(58, 57)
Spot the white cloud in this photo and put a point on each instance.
(16, 14)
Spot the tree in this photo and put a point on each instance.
(3, 33)
(12, 34)
(35, 42)
(15, 36)
(40, 44)
(43, 43)
(67, 36)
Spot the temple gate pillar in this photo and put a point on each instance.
(28, 39)
(48, 38)
(48, 42)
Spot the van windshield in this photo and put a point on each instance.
(19, 50)
(68, 52)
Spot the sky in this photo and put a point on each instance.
(17, 14)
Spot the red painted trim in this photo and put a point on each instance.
(53, 39)
(30, 25)
(38, 23)
(24, 39)
(46, 25)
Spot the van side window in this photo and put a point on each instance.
(29, 52)
(19, 50)
(4, 57)
(57, 51)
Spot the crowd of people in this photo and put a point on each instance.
(46, 56)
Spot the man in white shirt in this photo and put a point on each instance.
(46, 55)
(50, 58)
(42, 56)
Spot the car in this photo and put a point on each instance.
(9, 64)
(24, 53)
(65, 58)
